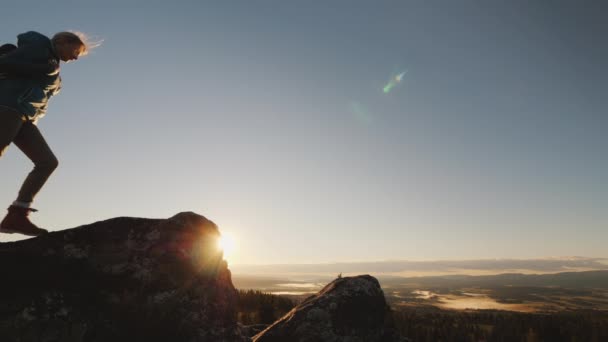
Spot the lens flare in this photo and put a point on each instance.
(361, 113)
(394, 81)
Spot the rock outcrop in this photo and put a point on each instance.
(124, 279)
(348, 309)
(136, 279)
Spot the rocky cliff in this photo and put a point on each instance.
(122, 279)
(136, 279)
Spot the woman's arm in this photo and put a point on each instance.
(13, 64)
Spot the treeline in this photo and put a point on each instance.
(457, 326)
(436, 325)
(257, 307)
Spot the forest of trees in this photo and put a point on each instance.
(256, 307)
(491, 325)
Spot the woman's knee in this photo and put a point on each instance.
(48, 164)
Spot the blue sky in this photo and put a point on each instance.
(268, 117)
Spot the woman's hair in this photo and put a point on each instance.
(75, 38)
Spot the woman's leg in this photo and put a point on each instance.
(29, 140)
(10, 124)
(32, 143)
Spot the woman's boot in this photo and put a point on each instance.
(16, 221)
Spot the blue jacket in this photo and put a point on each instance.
(30, 95)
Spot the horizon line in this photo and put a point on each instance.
(547, 258)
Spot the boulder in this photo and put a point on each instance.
(123, 279)
(349, 309)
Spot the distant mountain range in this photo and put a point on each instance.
(572, 280)
(588, 279)
(384, 269)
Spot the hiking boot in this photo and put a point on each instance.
(16, 221)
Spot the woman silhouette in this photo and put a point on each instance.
(29, 77)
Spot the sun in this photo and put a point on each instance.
(227, 244)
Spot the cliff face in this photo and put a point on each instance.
(121, 279)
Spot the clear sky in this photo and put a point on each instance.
(269, 118)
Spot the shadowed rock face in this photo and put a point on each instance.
(348, 309)
(121, 279)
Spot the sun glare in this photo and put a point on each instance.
(227, 244)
